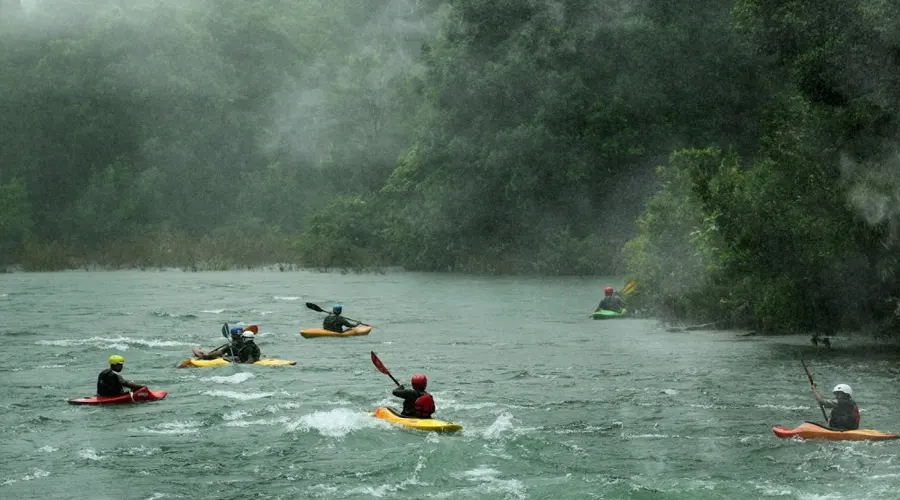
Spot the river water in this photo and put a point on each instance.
(553, 404)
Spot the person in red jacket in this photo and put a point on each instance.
(416, 402)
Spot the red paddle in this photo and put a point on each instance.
(813, 384)
(383, 369)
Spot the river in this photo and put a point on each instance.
(553, 404)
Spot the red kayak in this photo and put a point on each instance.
(139, 396)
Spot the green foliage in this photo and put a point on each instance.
(340, 235)
(15, 221)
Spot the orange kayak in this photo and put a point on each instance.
(310, 333)
(809, 430)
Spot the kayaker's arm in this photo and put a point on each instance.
(404, 393)
(822, 401)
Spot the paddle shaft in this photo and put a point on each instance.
(813, 385)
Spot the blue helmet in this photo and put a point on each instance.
(236, 330)
(337, 308)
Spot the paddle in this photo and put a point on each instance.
(629, 288)
(316, 308)
(383, 369)
(813, 385)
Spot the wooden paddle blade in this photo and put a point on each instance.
(314, 307)
(184, 364)
(378, 364)
(252, 328)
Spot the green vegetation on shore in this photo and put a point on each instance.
(738, 158)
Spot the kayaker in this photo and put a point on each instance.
(845, 413)
(249, 351)
(610, 302)
(334, 322)
(111, 383)
(416, 402)
(231, 348)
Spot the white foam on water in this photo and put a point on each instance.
(784, 407)
(37, 474)
(115, 342)
(157, 496)
(213, 311)
(670, 392)
(142, 451)
(51, 366)
(241, 396)
(281, 406)
(501, 426)
(258, 422)
(47, 449)
(335, 423)
(490, 484)
(235, 415)
(648, 436)
(772, 490)
(277, 297)
(236, 378)
(89, 454)
(385, 489)
(178, 427)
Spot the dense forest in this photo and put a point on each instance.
(738, 158)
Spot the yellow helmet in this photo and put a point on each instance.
(115, 359)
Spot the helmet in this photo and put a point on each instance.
(419, 381)
(236, 330)
(116, 359)
(608, 291)
(248, 335)
(337, 308)
(843, 388)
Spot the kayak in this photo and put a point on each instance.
(422, 424)
(810, 430)
(310, 333)
(131, 397)
(608, 314)
(206, 363)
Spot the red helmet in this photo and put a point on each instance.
(419, 381)
(608, 290)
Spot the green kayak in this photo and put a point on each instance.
(607, 314)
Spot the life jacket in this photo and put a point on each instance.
(424, 406)
(845, 416)
(108, 384)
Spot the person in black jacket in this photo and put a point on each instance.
(334, 322)
(845, 413)
(416, 402)
(111, 383)
(249, 351)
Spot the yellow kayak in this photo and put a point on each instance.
(310, 333)
(422, 424)
(206, 363)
